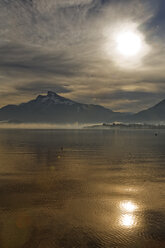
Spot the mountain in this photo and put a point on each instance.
(153, 114)
(53, 108)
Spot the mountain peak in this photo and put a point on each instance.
(51, 93)
(54, 98)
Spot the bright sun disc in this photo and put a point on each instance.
(128, 43)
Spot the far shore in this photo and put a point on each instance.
(114, 125)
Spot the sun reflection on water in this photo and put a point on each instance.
(128, 206)
(128, 219)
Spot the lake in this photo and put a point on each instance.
(82, 188)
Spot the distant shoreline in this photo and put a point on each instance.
(125, 125)
(77, 126)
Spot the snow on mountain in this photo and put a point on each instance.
(54, 98)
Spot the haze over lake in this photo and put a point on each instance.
(82, 188)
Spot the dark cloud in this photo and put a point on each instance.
(137, 99)
(26, 59)
(42, 87)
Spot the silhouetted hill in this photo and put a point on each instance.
(52, 108)
(153, 114)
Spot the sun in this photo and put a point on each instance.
(128, 43)
(125, 45)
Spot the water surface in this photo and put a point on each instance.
(82, 188)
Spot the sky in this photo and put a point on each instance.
(71, 47)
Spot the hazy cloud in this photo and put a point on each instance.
(62, 46)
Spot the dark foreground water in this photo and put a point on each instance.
(82, 188)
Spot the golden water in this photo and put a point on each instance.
(82, 188)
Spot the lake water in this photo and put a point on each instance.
(82, 188)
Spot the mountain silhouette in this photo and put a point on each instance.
(153, 114)
(53, 108)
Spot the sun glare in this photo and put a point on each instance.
(128, 43)
(128, 206)
(125, 45)
(128, 220)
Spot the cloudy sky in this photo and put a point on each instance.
(72, 47)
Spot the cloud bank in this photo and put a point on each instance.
(62, 46)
